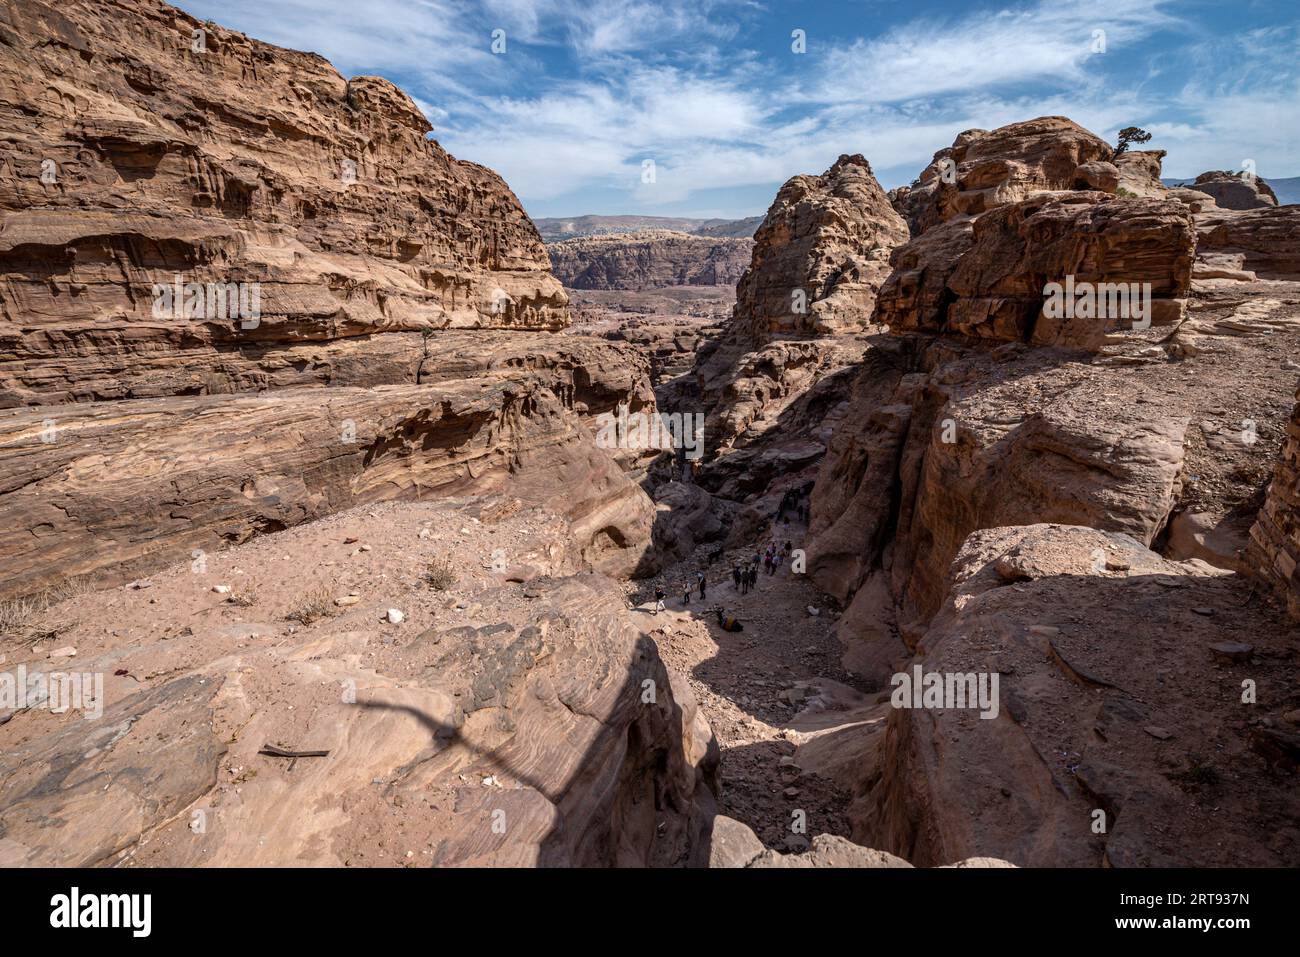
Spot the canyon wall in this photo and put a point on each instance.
(292, 459)
(146, 149)
(648, 258)
(239, 291)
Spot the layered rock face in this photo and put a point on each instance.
(558, 229)
(1275, 537)
(649, 258)
(988, 278)
(513, 718)
(1235, 190)
(237, 291)
(1261, 243)
(820, 255)
(178, 153)
(802, 313)
(114, 491)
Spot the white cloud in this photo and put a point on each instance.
(587, 91)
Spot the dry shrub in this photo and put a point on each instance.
(29, 619)
(440, 574)
(312, 606)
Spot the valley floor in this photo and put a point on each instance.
(762, 689)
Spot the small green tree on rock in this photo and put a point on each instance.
(1131, 134)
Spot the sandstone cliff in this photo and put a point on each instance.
(266, 349)
(235, 293)
(983, 410)
(176, 152)
(802, 310)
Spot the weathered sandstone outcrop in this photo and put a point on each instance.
(1274, 552)
(983, 170)
(515, 718)
(802, 311)
(988, 277)
(820, 256)
(1259, 243)
(114, 490)
(982, 409)
(176, 152)
(1121, 736)
(1139, 173)
(648, 259)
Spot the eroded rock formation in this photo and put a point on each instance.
(988, 277)
(803, 310)
(1275, 537)
(983, 170)
(181, 152)
(1120, 696)
(202, 232)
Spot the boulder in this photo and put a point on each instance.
(1235, 190)
(1087, 639)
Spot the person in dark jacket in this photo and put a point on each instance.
(700, 584)
(735, 575)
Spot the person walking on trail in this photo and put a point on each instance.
(753, 576)
(700, 584)
(659, 600)
(735, 575)
(686, 592)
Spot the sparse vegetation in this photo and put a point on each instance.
(312, 606)
(27, 620)
(440, 575)
(243, 599)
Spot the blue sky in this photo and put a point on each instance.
(713, 92)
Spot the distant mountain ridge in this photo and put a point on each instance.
(1287, 190)
(558, 229)
(649, 258)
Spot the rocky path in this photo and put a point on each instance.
(752, 686)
